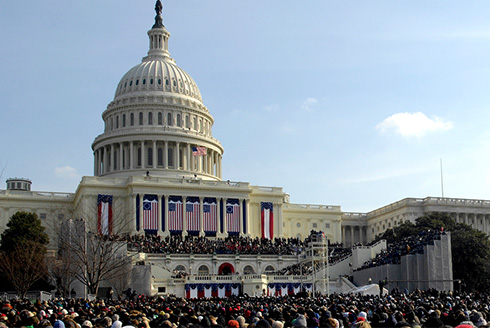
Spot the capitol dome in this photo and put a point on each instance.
(157, 123)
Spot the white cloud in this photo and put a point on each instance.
(272, 108)
(308, 103)
(66, 172)
(413, 124)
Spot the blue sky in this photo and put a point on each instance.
(350, 103)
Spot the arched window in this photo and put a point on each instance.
(141, 118)
(195, 123)
(170, 157)
(160, 118)
(139, 156)
(131, 119)
(180, 268)
(187, 122)
(150, 118)
(117, 122)
(160, 156)
(124, 121)
(169, 119)
(248, 270)
(203, 270)
(179, 120)
(150, 156)
(112, 123)
(269, 269)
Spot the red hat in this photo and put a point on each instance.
(233, 324)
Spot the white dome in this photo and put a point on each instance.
(157, 74)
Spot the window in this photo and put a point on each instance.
(203, 270)
(150, 118)
(187, 122)
(179, 120)
(42, 216)
(170, 157)
(139, 156)
(248, 270)
(327, 225)
(160, 157)
(124, 120)
(162, 289)
(298, 225)
(314, 225)
(137, 82)
(269, 269)
(160, 119)
(151, 81)
(117, 122)
(169, 119)
(195, 123)
(180, 268)
(131, 119)
(150, 156)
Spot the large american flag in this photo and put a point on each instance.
(232, 217)
(196, 151)
(192, 211)
(175, 219)
(210, 217)
(104, 214)
(267, 219)
(150, 212)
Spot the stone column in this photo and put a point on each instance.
(121, 158)
(165, 155)
(166, 232)
(131, 155)
(201, 216)
(177, 156)
(188, 158)
(184, 216)
(159, 221)
(155, 154)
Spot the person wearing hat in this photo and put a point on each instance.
(233, 324)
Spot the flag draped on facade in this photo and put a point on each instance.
(104, 214)
(175, 214)
(150, 212)
(199, 151)
(233, 216)
(267, 220)
(192, 212)
(210, 217)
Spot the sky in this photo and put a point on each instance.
(351, 103)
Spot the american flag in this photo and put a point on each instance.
(196, 151)
(267, 220)
(192, 210)
(210, 217)
(232, 217)
(150, 212)
(104, 214)
(175, 220)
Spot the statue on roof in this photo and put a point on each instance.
(158, 17)
(158, 7)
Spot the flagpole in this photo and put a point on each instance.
(442, 181)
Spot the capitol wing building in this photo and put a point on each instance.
(158, 171)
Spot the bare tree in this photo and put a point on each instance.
(96, 255)
(23, 265)
(60, 271)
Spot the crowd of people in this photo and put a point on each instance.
(177, 244)
(413, 244)
(417, 309)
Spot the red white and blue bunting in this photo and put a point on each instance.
(283, 289)
(211, 290)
